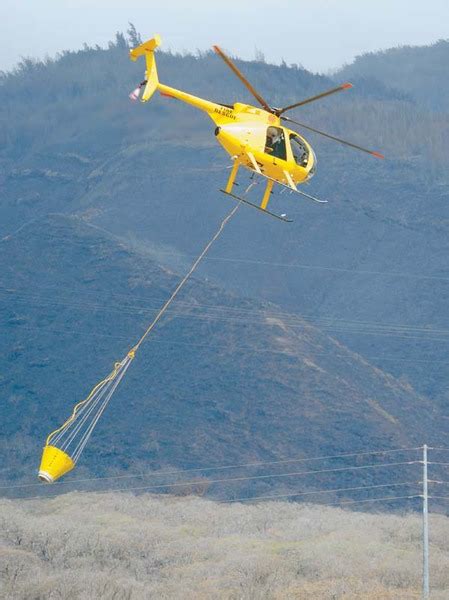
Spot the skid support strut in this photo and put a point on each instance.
(266, 195)
(232, 177)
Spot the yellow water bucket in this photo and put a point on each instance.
(54, 464)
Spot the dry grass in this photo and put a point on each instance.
(119, 546)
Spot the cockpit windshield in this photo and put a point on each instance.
(300, 151)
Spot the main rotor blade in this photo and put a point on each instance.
(340, 88)
(242, 78)
(335, 139)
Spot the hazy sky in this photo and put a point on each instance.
(319, 34)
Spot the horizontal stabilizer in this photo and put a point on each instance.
(148, 46)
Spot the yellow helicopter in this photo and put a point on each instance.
(254, 137)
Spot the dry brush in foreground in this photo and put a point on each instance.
(122, 547)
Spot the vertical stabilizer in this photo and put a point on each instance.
(147, 49)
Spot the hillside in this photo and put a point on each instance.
(282, 345)
(119, 546)
(223, 380)
(371, 266)
(419, 72)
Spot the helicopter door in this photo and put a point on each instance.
(275, 143)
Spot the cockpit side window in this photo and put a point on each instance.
(300, 151)
(275, 143)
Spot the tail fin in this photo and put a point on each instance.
(147, 49)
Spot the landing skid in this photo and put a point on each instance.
(264, 210)
(294, 190)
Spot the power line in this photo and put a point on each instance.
(363, 487)
(266, 263)
(338, 503)
(381, 330)
(220, 467)
(232, 314)
(237, 348)
(252, 478)
(319, 267)
(223, 309)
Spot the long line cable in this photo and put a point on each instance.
(85, 404)
(86, 435)
(186, 277)
(120, 368)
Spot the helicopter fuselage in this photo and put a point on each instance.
(243, 131)
(254, 136)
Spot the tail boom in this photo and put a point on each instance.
(152, 83)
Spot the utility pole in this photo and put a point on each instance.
(425, 529)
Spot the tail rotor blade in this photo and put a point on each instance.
(335, 139)
(340, 88)
(242, 78)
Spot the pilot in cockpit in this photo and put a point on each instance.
(275, 142)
